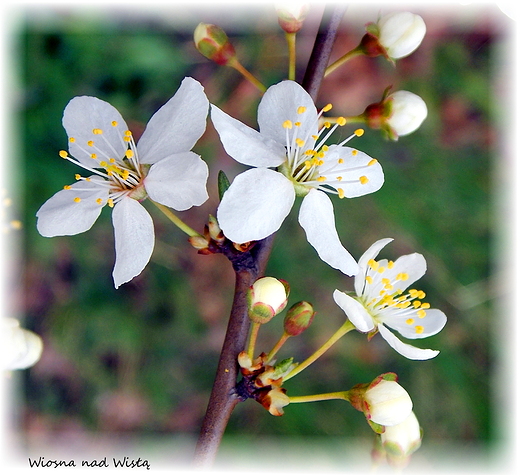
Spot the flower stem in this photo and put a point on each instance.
(253, 335)
(344, 329)
(238, 66)
(278, 345)
(321, 397)
(176, 220)
(291, 43)
(351, 54)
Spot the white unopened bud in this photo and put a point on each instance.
(267, 297)
(22, 348)
(407, 112)
(401, 440)
(400, 33)
(387, 403)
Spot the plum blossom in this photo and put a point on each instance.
(160, 166)
(381, 301)
(291, 159)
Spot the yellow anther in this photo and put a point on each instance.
(112, 160)
(416, 303)
(327, 108)
(371, 162)
(301, 109)
(367, 278)
(363, 180)
(390, 264)
(97, 131)
(327, 125)
(90, 143)
(87, 179)
(339, 178)
(341, 121)
(114, 123)
(315, 137)
(373, 264)
(307, 164)
(341, 161)
(354, 153)
(94, 156)
(287, 124)
(110, 202)
(128, 133)
(77, 199)
(402, 276)
(72, 139)
(359, 132)
(297, 124)
(325, 148)
(103, 164)
(129, 153)
(421, 313)
(419, 329)
(99, 201)
(77, 176)
(321, 179)
(381, 269)
(300, 142)
(127, 138)
(410, 321)
(67, 187)
(425, 305)
(63, 154)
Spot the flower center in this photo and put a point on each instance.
(382, 295)
(312, 164)
(123, 175)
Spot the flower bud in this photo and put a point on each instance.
(213, 43)
(395, 35)
(274, 400)
(383, 401)
(397, 114)
(291, 15)
(299, 317)
(401, 440)
(267, 297)
(22, 348)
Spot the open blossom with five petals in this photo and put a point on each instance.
(160, 166)
(291, 159)
(381, 301)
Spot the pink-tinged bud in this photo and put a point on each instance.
(267, 297)
(394, 36)
(299, 317)
(401, 440)
(384, 402)
(291, 15)
(213, 43)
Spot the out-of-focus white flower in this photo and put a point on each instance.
(21, 348)
(160, 166)
(401, 440)
(291, 15)
(381, 301)
(290, 139)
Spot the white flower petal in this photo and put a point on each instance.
(22, 348)
(178, 181)
(408, 351)
(245, 144)
(134, 239)
(60, 215)
(317, 219)
(355, 311)
(355, 166)
(370, 253)
(280, 103)
(83, 115)
(177, 125)
(255, 205)
(432, 324)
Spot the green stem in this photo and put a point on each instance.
(253, 335)
(176, 220)
(344, 329)
(336, 64)
(236, 65)
(278, 345)
(320, 397)
(291, 43)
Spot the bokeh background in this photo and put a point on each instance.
(129, 371)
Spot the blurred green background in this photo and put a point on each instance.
(139, 362)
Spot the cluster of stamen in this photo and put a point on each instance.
(408, 306)
(310, 166)
(122, 174)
